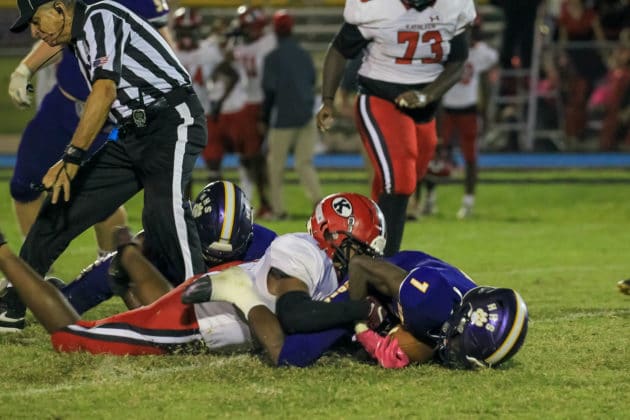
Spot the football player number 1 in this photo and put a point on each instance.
(434, 38)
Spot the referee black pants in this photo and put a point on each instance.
(158, 158)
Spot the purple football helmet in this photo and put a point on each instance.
(224, 220)
(487, 329)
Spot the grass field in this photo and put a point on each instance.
(562, 245)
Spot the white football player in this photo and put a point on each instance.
(415, 51)
(257, 42)
(460, 116)
(291, 281)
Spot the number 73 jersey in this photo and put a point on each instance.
(404, 45)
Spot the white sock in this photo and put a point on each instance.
(468, 200)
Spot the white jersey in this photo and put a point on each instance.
(295, 254)
(252, 57)
(200, 63)
(237, 98)
(465, 93)
(407, 46)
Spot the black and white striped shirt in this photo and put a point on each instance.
(111, 42)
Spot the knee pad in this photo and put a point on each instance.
(23, 191)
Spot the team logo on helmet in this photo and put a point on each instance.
(342, 207)
(479, 317)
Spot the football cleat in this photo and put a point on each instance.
(464, 212)
(198, 292)
(429, 207)
(12, 312)
(624, 286)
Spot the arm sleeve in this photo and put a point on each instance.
(106, 34)
(298, 313)
(349, 41)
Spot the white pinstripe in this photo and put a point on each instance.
(377, 142)
(176, 187)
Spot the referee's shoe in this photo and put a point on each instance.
(12, 312)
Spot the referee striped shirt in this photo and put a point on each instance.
(112, 42)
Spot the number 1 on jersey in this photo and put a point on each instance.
(434, 38)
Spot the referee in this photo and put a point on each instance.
(138, 82)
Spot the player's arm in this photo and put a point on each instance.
(450, 75)
(234, 285)
(347, 44)
(299, 313)
(453, 68)
(40, 56)
(225, 71)
(95, 113)
(364, 271)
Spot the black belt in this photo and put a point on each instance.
(141, 116)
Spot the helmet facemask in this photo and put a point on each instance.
(349, 247)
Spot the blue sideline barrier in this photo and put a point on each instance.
(487, 161)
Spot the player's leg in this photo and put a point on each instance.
(279, 141)
(426, 141)
(162, 327)
(105, 175)
(102, 184)
(468, 129)
(389, 139)
(304, 153)
(212, 154)
(104, 230)
(48, 305)
(252, 158)
(165, 169)
(41, 145)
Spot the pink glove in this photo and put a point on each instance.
(390, 355)
(384, 349)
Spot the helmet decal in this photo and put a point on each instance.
(342, 206)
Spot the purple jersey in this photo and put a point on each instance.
(260, 242)
(69, 76)
(428, 294)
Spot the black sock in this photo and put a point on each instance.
(394, 207)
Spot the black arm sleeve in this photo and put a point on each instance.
(349, 41)
(459, 47)
(298, 313)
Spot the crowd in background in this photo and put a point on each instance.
(585, 59)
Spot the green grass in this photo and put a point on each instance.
(563, 246)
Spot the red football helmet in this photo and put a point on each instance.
(186, 25)
(252, 21)
(345, 222)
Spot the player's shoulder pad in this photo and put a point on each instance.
(294, 245)
(366, 12)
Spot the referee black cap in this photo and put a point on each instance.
(27, 9)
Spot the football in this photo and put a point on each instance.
(416, 350)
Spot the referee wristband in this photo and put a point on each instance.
(73, 155)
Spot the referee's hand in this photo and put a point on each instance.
(58, 178)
